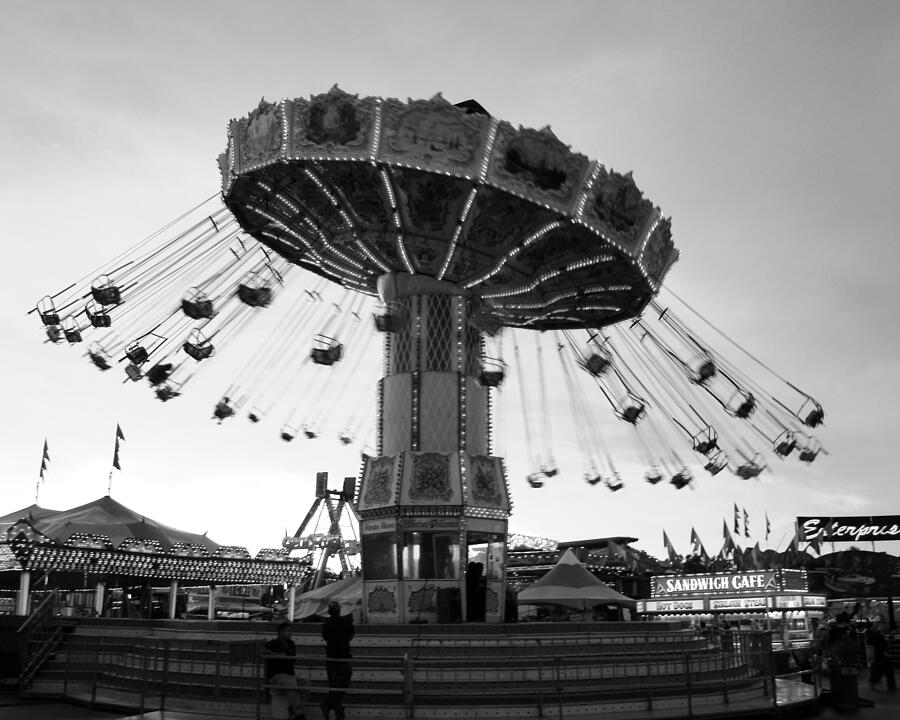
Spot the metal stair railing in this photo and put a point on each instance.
(40, 637)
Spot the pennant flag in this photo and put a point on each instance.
(45, 458)
(756, 555)
(697, 546)
(729, 541)
(737, 520)
(673, 556)
(746, 524)
(768, 526)
(119, 436)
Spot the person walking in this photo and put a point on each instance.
(337, 631)
(881, 659)
(288, 697)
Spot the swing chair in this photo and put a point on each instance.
(810, 450)
(815, 415)
(47, 311)
(254, 291)
(288, 433)
(716, 463)
(653, 475)
(326, 350)
(750, 469)
(492, 372)
(99, 356)
(596, 363)
(159, 373)
(133, 372)
(166, 392)
(97, 315)
(614, 483)
(105, 292)
(224, 409)
(784, 444)
(255, 415)
(346, 437)
(196, 305)
(198, 346)
(705, 371)
(137, 353)
(54, 333)
(311, 431)
(392, 319)
(536, 479)
(71, 330)
(593, 479)
(682, 478)
(705, 441)
(631, 409)
(741, 404)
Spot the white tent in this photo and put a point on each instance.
(346, 592)
(570, 583)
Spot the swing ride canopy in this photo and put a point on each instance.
(355, 188)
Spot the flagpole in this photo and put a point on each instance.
(109, 486)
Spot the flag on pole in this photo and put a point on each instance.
(756, 555)
(729, 541)
(697, 546)
(119, 436)
(746, 524)
(673, 556)
(45, 458)
(768, 526)
(737, 520)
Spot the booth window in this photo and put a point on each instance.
(430, 555)
(379, 556)
(489, 549)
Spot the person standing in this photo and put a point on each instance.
(280, 656)
(337, 631)
(881, 659)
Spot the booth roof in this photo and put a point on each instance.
(103, 516)
(571, 583)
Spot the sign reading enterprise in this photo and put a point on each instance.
(719, 584)
(880, 527)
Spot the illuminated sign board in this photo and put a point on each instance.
(849, 529)
(715, 584)
(790, 601)
(814, 601)
(664, 606)
(739, 603)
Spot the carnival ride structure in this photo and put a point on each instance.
(458, 234)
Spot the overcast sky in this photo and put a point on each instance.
(766, 130)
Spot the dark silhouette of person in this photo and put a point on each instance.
(337, 631)
(882, 666)
(287, 698)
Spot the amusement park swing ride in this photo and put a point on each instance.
(446, 234)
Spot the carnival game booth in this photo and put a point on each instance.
(774, 600)
(104, 559)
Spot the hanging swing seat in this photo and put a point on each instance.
(632, 413)
(596, 364)
(255, 295)
(653, 476)
(159, 373)
(133, 372)
(742, 404)
(388, 322)
(704, 372)
(749, 470)
(810, 451)
(615, 483)
(785, 443)
(310, 431)
(47, 311)
(105, 292)
(196, 305)
(254, 415)
(345, 438)
(97, 316)
(717, 463)
(549, 470)
(198, 346)
(705, 441)
(224, 409)
(326, 350)
(166, 392)
(71, 330)
(536, 479)
(681, 479)
(492, 372)
(288, 433)
(137, 354)
(815, 416)
(593, 479)
(99, 356)
(54, 333)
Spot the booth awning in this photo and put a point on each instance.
(570, 583)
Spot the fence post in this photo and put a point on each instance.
(559, 688)
(687, 674)
(218, 670)
(257, 662)
(145, 672)
(96, 670)
(408, 688)
(165, 678)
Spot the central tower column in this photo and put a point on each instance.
(434, 503)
